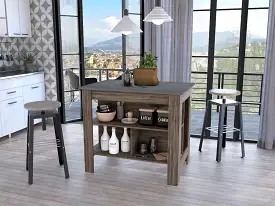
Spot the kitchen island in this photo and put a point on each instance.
(174, 140)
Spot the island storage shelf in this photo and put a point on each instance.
(173, 141)
(119, 124)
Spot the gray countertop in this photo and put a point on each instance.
(162, 88)
(14, 74)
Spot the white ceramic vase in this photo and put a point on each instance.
(104, 140)
(114, 143)
(125, 141)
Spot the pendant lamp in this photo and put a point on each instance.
(158, 16)
(126, 26)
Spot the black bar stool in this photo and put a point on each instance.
(44, 109)
(222, 127)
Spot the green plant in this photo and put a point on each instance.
(28, 58)
(148, 61)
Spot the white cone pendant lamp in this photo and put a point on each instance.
(158, 16)
(126, 26)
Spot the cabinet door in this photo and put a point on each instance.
(32, 93)
(2, 9)
(25, 18)
(3, 28)
(12, 116)
(13, 18)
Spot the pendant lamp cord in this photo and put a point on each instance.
(158, 3)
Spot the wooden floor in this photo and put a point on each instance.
(234, 181)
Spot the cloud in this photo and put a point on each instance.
(111, 21)
(96, 30)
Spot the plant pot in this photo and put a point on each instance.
(146, 76)
(29, 67)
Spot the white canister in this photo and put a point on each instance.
(114, 143)
(125, 141)
(104, 140)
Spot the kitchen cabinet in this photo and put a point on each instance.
(25, 18)
(18, 18)
(14, 93)
(3, 28)
(2, 9)
(31, 93)
(12, 115)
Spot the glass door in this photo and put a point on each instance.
(69, 67)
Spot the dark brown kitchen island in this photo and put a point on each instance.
(175, 140)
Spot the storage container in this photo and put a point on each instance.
(147, 116)
(162, 117)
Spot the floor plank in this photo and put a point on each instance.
(234, 181)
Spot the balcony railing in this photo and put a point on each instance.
(251, 95)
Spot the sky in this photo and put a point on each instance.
(100, 16)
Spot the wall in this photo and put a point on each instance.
(41, 44)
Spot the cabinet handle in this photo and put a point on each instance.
(35, 87)
(11, 92)
(16, 34)
(12, 103)
(25, 34)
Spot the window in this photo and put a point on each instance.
(233, 57)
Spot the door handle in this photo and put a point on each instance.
(11, 92)
(35, 87)
(12, 103)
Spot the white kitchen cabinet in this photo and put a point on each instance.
(32, 93)
(3, 28)
(12, 115)
(18, 18)
(25, 18)
(2, 9)
(14, 93)
(13, 18)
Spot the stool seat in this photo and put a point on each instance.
(42, 106)
(225, 92)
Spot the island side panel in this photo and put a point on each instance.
(88, 131)
(187, 117)
(174, 140)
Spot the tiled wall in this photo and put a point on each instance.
(41, 44)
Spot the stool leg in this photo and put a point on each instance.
(220, 132)
(44, 124)
(27, 150)
(204, 124)
(224, 123)
(58, 144)
(62, 145)
(241, 129)
(30, 149)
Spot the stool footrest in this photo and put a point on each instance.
(226, 129)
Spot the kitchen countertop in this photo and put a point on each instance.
(167, 88)
(14, 74)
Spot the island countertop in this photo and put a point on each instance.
(174, 140)
(165, 88)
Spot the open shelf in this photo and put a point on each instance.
(148, 157)
(117, 123)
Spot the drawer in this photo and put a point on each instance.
(32, 79)
(11, 93)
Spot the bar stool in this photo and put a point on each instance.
(44, 109)
(222, 127)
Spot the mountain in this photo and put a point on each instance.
(200, 42)
(223, 40)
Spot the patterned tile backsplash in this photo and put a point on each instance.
(41, 44)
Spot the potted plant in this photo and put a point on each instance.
(146, 74)
(28, 60)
